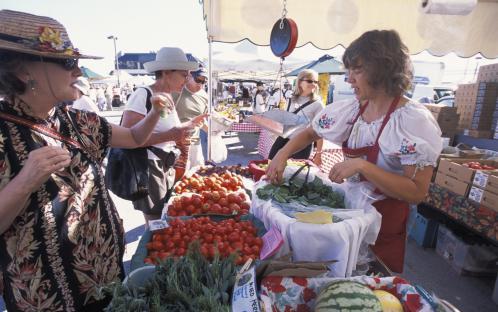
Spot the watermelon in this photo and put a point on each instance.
(347, 296)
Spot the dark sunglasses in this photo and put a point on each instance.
(67, 64)
(310, 81)
(200, 80)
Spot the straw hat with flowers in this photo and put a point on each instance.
(36, 35)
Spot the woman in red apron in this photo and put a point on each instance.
(388, 140)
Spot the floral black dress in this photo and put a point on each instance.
(68, 241)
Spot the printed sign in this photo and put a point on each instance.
(155, 225)
(245, 298)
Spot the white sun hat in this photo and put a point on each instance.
(83, 85)
(169, 58)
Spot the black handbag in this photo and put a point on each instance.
(127, 171)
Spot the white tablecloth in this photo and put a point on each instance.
(321, 242)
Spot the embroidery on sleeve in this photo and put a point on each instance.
(324, 122)
(406, 148)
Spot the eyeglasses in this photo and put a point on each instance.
(67, 64)
(200, 80)
(310, 81)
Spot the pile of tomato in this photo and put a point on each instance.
(226, 181)
(225, 237)
(215, 202)
(478, 166)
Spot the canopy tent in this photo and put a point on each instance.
(90, 74)
(325, 64)
(327, 23)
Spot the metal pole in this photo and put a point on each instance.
(210, 95)
(210, 82)
(116, 59)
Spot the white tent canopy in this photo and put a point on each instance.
(328, 23)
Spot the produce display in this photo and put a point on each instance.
(229, 111)
(347, 296)
(314, 193)
(214, 202)
(478, 166)
(225, 181)
(224, 238)
(190, 283)
(238, 169)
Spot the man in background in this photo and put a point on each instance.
(190, 103)
(84, 102)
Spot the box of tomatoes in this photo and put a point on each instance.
(241, 234)
(208, 203)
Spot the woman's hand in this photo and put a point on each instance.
(317, 159)
(41, 163)
(162, 102)
(276, 168)
(195, 122)
(345, 169)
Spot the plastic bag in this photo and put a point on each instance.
(219, 151)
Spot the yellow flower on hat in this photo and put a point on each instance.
(51, 37)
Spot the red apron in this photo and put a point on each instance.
(390, 244)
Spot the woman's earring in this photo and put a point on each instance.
(31, 85)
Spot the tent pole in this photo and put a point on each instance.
(210, 95)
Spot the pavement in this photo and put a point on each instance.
(422, 266)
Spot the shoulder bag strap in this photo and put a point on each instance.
(290, 103)
(303, 106)
(41, 129)
(148, 103)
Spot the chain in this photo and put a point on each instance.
(284, 14)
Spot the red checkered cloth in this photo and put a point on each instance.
(244, 127)
(330, 157)
(265, 142)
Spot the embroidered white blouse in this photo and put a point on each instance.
(410, 137)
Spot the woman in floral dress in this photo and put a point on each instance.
(61, 238)
(388, 139)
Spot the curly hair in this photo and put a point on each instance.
(385, 59)
(10, 64)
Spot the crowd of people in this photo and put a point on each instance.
(61, 237)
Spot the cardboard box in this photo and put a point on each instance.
(452, 184)
(454, 168)
(484, 198)
(486, 180)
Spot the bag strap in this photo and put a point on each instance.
(303, 106)
(148, 103)
(290, 103)
(41, 129)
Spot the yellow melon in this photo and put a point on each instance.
(388, 301)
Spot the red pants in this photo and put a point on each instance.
(390, 244)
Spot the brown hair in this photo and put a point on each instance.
(10, 64)
(385, 59)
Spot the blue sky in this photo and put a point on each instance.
(147, 25)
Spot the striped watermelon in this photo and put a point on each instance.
(347, 296)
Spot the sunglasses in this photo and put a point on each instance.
(310, 81)
(67, 64)
(200, 80)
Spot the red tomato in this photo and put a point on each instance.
(223, 202)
